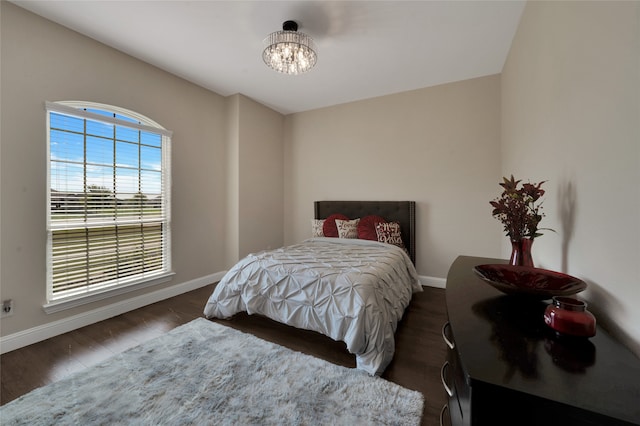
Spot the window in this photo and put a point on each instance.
(108, 221)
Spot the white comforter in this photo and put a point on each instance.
(353, 291)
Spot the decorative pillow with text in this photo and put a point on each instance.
(347, 228)
(390, 233)
(316, 227)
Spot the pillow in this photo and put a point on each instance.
(329, 227)
(390, 233)
(347, 228)
(367, 227)
(316, 227)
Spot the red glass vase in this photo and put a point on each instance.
(570, 316)
(521, 252)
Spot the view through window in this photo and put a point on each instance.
(109, 208)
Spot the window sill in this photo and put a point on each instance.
(74, 301)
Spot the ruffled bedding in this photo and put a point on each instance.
(353, 291)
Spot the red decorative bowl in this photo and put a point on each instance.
(529, 281)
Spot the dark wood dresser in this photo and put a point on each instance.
(506, 367)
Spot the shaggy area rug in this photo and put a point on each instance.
(204, 373)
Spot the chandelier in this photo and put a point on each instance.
(289, 51)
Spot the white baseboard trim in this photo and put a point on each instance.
(433, 282)
(45, 331)
(42, 332)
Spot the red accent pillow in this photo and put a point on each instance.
(367, 227)
(329, 228)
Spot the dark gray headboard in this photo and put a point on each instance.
(403, 212)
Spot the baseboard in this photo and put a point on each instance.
(42, 332)
(433, 282)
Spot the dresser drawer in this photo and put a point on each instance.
(454, 383)
(449, 375)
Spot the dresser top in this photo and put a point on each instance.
(503, 341)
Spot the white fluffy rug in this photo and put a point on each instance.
(203, 373)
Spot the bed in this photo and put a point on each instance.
(353, 290)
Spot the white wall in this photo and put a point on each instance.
(438, 146)
(571, 115)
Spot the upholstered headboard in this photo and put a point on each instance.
(403, 212)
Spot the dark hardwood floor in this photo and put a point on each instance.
(420, 350)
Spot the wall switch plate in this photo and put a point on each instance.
(7, 308)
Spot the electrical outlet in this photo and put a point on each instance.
(7, 308)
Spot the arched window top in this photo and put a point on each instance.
(108, 113)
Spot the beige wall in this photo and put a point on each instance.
(260, 178)
(565, 109)
(42, 61)
(571, 115)
(232, 224)
(254, 178)
(438, 146)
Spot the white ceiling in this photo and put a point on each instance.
(365, 48)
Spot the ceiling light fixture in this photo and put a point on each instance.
(289, 51)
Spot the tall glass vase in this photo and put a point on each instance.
(521, 252)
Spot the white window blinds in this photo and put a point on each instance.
(108, 199)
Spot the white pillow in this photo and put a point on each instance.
(347, 228)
